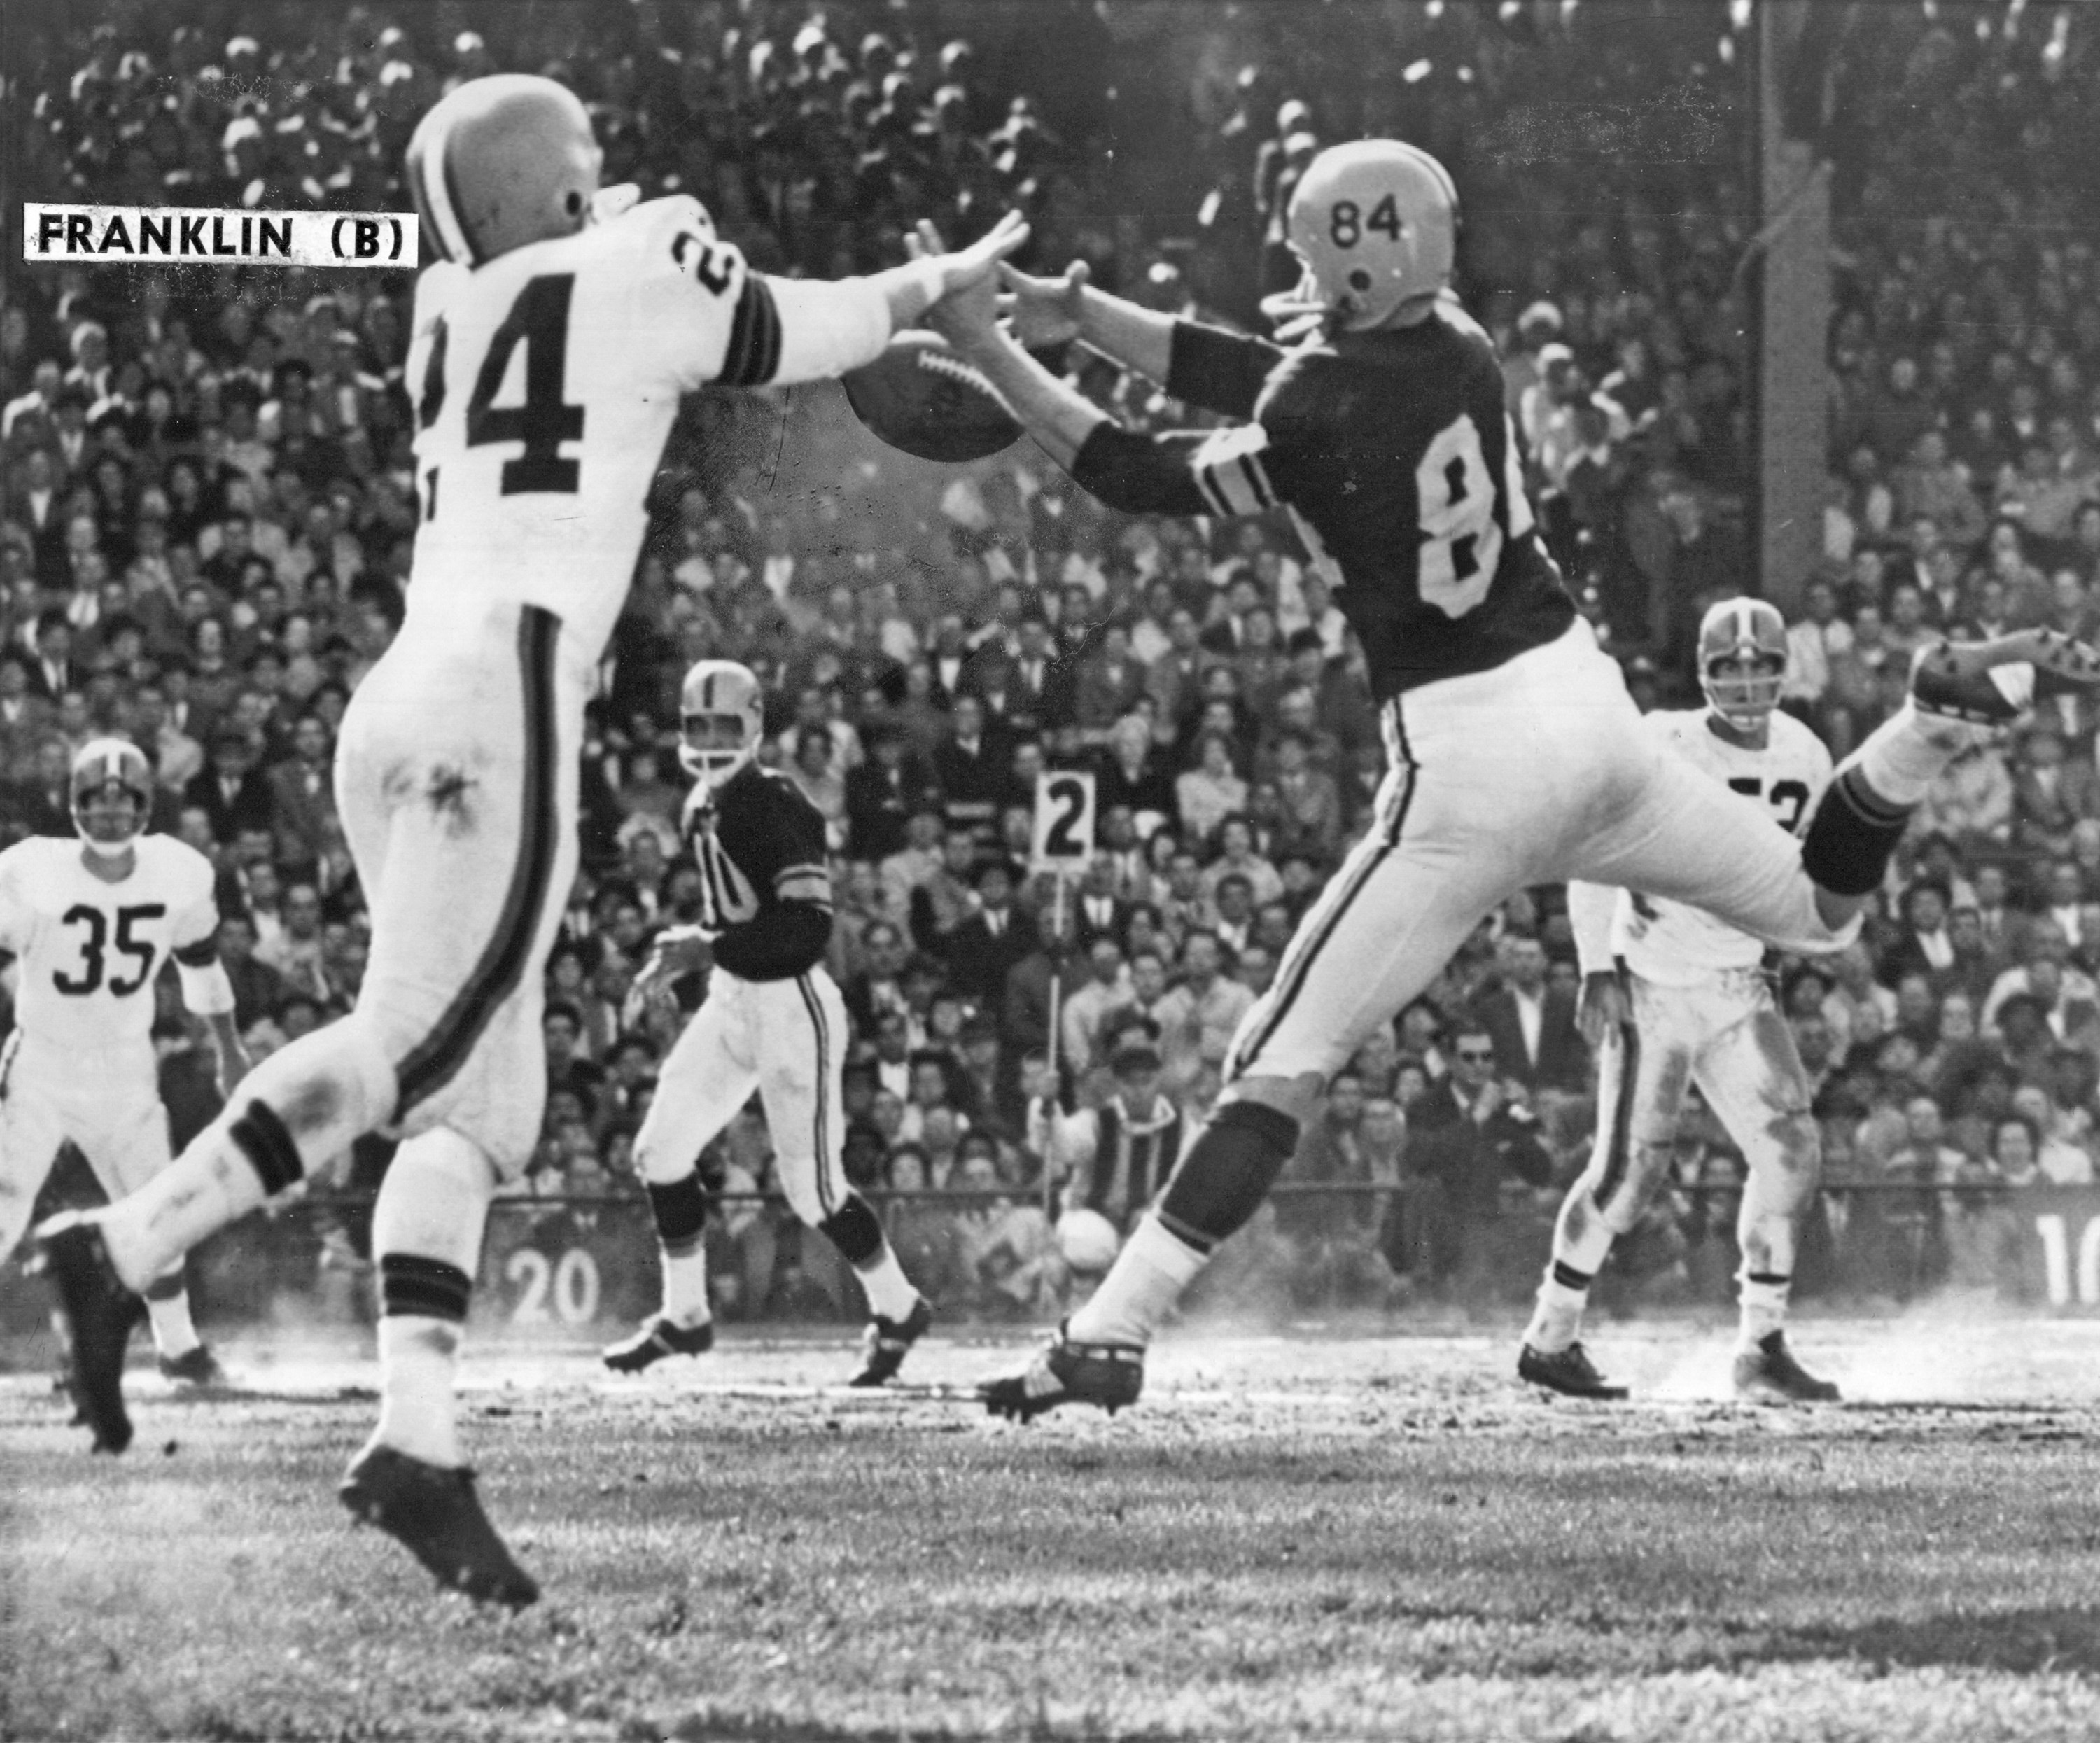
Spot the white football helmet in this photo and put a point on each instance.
(1742, 661)
(1375, 224)
(722, 717)
(98, 765)
(502, 161)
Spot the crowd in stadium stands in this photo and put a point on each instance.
(208, 522)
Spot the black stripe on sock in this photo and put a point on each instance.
(680, 1211)
(854, 1229)
(1567, 1276)
(263, 1139)
(168, 1288)
(1771, 1278)
(409, 1283)
(437, 1059)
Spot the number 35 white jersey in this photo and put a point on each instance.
(1674, 945)
(545, 382)
(88, 951)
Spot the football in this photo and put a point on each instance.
(919, 395)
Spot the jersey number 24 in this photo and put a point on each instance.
(538, 320)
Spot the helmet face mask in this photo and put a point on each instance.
(1742, 662)
(112, 793)
(720, 720)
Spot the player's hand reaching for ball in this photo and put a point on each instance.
(1602, 1008)
(1043, 311)
(968, 311)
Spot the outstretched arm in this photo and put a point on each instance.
(1205, 366)
(1215, 472)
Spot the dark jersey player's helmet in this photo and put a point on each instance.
(112, 794)
(1375, 224)
(502, 161)
(1742, 660)
(722, 717)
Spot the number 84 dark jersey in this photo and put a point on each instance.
(1396, 456)
(766, 889)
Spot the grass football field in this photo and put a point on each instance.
(1322, 1535)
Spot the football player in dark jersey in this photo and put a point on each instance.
(772, 1021)
(1515, 755)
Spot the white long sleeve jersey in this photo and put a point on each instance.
(89, 950)
(545, 383)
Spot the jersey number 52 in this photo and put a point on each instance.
(1461, 541)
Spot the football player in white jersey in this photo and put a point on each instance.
(774, 1021)
(89, 923)
(551, 342)
(1689, 1003)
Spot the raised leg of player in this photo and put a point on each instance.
(803, 1032)
(707, 1077)
(304, 1105)
(1640, 1090)
(426, 1233)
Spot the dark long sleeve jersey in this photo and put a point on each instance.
(1398, 462)
(766, 892)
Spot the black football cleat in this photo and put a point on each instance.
(1568, 1371)
(100, 1313)
(1993, 683)
(196, 1366)
(887, 1342)
(658, 1337)
(1066, 1372)
(435, 1513)
(1768, 1373)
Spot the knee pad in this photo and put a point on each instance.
(1850, 839)
(323, 1092)
(434, 1203)
(1220, 1183)
(854, 1229)
(680, 1209)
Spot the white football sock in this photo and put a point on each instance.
(1905, 755)
(1763, 1308)
(1556, 1321)
(211, 1184)
(1149, 1274)
(889, 1291)
(173, 1332)
(685, 1300)
(417, 1414)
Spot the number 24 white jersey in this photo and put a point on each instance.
(87, 951)
(545, 383)
(1672, 944)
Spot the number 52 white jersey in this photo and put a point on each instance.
(545, 383)
(1670, 943)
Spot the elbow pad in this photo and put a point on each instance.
(206, 990)
(1140, 475)
(826, 327)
